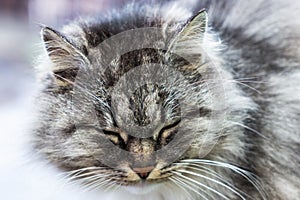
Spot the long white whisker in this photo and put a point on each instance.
(82, 169)
(209, 171)
(87, 186)
(82, 175)
(202, 185)
(98, 183)
(199, 167)
(85, 182)
(213, 180)
(188, 186)
(117, 186)
(246, 85)
(72, 175)
(250, 129)
(91, 178)
(247, 175)
(243, 83)
(110, 185)
(181, 186)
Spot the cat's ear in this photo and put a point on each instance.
(63, 54)
(187, 43)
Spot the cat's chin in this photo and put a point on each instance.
(141, 188)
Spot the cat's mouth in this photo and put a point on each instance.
(141, 177)
(144, 183)
(134, 180)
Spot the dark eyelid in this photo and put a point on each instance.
(105, 131)
(169, 126)
(122, 137)
(110, 132)
(115, 133)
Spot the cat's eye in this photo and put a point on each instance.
(116, 137)
(167, 133)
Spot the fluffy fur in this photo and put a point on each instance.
(243, 75)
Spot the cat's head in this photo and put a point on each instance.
(131, 108)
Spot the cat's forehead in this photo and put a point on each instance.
(142, 107)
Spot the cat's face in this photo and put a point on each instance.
(133, 122)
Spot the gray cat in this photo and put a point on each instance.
(160, 101)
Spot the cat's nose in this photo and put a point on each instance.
(143, 172)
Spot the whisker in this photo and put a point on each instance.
(83, 169)
(247, 175)
(214, 174)
(98, 183)
(213, 180)
(248, 128)
(238, 81)
(202, 185)
(209, 195)
(117, 186)
(110, 185)
(76, 176)
(180, 185)
(86, 187)
(75, 173)
(91, 178)
(187, 184)
(246, 85)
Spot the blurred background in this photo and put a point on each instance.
(19, 35)
(20, 45)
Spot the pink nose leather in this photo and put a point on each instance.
(143, 172)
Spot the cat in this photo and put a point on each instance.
(175, 100)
